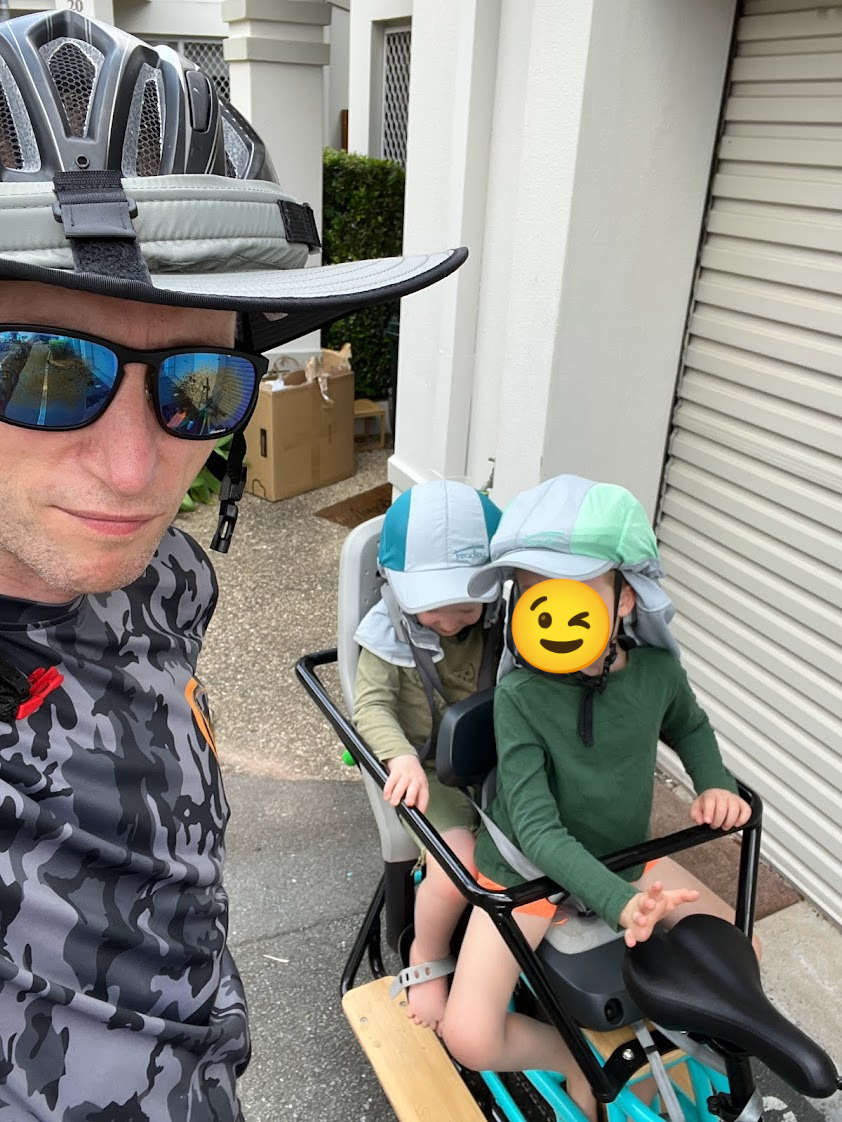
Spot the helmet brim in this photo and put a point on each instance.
(281, 304)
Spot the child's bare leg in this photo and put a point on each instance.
(672, 875)
(479, 1030)
(438, 906)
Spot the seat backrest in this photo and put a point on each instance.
(466, 751)
(358, 592)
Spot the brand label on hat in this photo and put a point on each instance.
(470, 553)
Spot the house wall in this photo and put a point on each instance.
(568, 146)
(190, 19)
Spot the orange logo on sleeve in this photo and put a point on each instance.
(197, 699)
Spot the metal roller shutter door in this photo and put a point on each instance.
(750, 521)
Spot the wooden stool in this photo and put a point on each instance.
(365, 409)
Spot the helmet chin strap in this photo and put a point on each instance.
(593, 684)
(233, 485)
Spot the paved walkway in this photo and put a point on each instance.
(303, 856)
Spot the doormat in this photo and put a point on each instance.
(359, 508)
(717, 863)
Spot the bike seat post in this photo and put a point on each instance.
(740, 1082)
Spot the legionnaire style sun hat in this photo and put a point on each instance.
(124, 173)
(575, 529)
(435, 536)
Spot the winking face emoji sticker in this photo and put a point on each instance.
(561, 626)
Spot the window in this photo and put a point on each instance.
(206, 53)
(396, 57)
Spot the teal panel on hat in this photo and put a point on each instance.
(393, 536)
(491, 513)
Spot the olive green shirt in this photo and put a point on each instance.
(391, 710)
(565, 804)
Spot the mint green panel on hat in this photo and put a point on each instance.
(573, 528)
(613, 525)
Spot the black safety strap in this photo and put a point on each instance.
(492, 648)
(233, 485)
(592, 685)
(97, 218)
(431, 681)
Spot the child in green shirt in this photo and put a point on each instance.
(576, 756)
(426, 645)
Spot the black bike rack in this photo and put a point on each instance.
(606, 1081)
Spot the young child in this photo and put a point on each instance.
(576, 761)
(435, 537)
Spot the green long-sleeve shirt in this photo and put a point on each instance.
(565, 804)
(391, 709)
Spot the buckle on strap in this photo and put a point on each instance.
(93, 204)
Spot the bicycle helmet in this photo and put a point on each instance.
(124, 173)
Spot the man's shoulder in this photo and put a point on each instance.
(180, 549)
(180, 554)
(177, 591)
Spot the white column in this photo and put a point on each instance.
(476, 351)
(276, 53)
(450, 114)
(540, 86)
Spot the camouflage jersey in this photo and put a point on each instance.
(119, 1001)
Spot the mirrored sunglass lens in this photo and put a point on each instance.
(53, 381)
(203, 394)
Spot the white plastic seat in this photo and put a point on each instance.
(358, 592)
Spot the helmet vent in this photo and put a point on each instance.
(10, 153)
(74, 66)
(237, 152)
(18, 149)
(149, 141)
(145, 127)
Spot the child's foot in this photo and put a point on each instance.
(425, 1000)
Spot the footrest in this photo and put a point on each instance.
(412, 1066)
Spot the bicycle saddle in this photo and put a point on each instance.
(702, 977)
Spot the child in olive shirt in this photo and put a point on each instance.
(435, 537)
(576, 761)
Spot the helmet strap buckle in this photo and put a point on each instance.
(231, 491)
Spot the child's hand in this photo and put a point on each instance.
(647, 908)
(720, 809)
(408, 781)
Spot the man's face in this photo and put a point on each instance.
(84, 511)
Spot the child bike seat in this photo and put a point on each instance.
(702, 977)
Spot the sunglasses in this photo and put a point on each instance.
(59, 381)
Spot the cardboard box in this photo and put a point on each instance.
(296, 439)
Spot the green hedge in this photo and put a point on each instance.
(363, 218)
